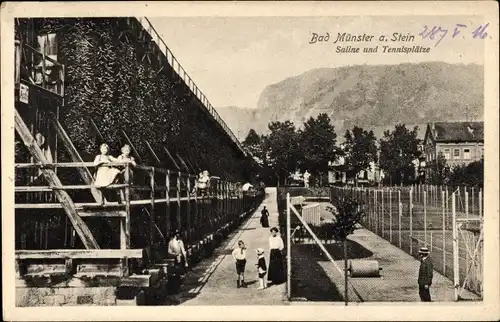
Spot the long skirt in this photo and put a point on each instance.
(276, 273)
(264, 221)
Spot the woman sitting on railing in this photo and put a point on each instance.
(105, 175)
(126, 157)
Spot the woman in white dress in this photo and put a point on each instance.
(106, 174)
(276, 272)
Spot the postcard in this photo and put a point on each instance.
(250, 160)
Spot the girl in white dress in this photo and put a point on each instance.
(106, 174)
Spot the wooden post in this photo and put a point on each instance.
(400, 216)
(167, 203)
(125, 223)
(346, 293)
(444, 231)
(196, 214)
(288, 248)
(411, 221)
(480, 203)
(447, 206)
(390, 215)
(188, 217)
(456, 277)
(178, 195)
(425, 217)
(152, 215)
(383, 213)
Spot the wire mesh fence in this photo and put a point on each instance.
(424, 215)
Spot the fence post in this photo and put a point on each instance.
(411, 221)
(480, 202)
(288, 248)
(376, 211)
(456, 280)
(383, 214)
(400, 216)
(444, 231)
(425, 217)
(447, 206)
(390, 215)
(473, 205)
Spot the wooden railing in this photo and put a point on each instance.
(155, 192)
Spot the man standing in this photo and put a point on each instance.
(425, 274)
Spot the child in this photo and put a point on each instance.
(261, 266)
(239, 255)
(126, 157)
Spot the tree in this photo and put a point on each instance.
(348, 214)
(438, 170)
(253, 144)
(467, 175)
(317, 144)
(398, 149)
(282, 148)
(360, 151)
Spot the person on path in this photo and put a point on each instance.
(264, 219)
(262, 268)
(276, 268)
(178, 252)
(105, 175)
(425, 274)
(240, 257)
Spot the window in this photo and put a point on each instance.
(466, 154)
(456, 153)
(446, 154)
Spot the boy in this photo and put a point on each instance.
(239, 255)
(261, 266)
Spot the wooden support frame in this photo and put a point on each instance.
(80, 227)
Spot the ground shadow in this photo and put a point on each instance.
(310, 282)
(336, 250)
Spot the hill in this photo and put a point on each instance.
(371, 96)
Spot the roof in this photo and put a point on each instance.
(456, 131)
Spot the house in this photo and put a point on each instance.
(459, 142)
(337, 173)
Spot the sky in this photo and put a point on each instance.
(232, 59)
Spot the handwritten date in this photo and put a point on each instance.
(438, 33)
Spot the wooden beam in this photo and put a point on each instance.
(96, 129)
(171, 158)
(79, 254)
(69, 207)
(183, 163)
(132, 146)
(152, 152)
(75, 157)
(108, 213)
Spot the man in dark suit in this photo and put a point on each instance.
(425, 274)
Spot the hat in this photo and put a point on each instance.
(260, 251)
(423, 250)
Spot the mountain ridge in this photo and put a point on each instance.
(371, 96)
